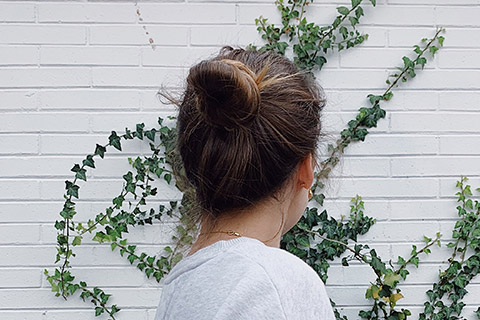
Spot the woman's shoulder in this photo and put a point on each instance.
(277, 261)
(299, 286)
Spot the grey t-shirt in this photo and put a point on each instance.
(242, 278)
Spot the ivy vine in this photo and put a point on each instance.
(317, 238)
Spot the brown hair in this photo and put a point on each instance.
(246, 120)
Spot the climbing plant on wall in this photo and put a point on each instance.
(317, 238)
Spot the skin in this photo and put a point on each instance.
(264, 220)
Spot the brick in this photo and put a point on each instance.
(459, 100)
(45, 77)
(42, 34)
(135, 35)
(18, 100)
(459, 59)
(422, 209)
(407, 37)
(377, 209)
(109, 277)
(444, 79)
(231, 35)
(176, 56)
(19, 233)
(352, 79)
(61, 144)
(186, 13)
(25, 315)
(87, 12)
(11, 167)
(434, 166)
(364, 167)
(89, 99)
(386, 187)
(43, 122)
(395, 144)
(26, 278)
(105, 122)
(19, 299)
(151, 100)
(434, 122)
(403, 99)
(103, 56)
(18, 55)
(392, 232)
(448, 186)
(19, 144)
(375, 58)
(433, 2)
(30, 211)
(135, 77)
(19, 189)
(17, 12)
(457, 16)
(320, 14)
(461, 37)
(399, 15)
(81, 314)
(459, 144)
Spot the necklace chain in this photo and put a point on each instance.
(230, 232)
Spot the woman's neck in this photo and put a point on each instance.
(262, 222)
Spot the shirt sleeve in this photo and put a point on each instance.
(302, 292)
(287, 289)
(254, 297)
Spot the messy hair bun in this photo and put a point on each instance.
(245, 121)
(226, 92)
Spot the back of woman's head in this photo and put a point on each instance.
(246, 120)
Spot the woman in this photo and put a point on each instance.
(248, 127)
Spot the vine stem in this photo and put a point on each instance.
(444, 277)
(92, 227)
(99, 302)
(465, 247)
(332, 29)
(357, 256)
(345, 140)
(65, 261)
(132, 252)
(455, 249)
(428, 245)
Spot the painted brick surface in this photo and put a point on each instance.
(73, 71)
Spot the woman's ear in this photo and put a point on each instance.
(305, 171)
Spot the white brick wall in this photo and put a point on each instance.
(72, 71)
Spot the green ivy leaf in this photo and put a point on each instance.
(72, 189)
(98, 311)
(114, 140)
(356, 2)
(89, 162)
(100, 150)
(77, 241)
(343, 10)
(391, 279)
(303, 240)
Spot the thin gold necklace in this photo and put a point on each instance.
(230, 232)
(237, 234)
